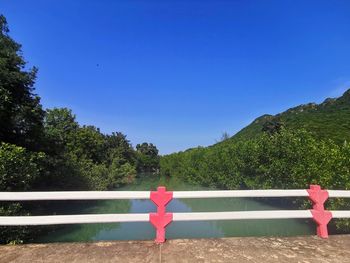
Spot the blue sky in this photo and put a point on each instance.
(179, 73)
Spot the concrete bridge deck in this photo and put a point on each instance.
(248, 249)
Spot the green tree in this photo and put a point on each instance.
(49, 150)
(121, 174)
(118, 147)
(18, 167)
(18, 170)
(21, 129)
(21, 114)
(60, 126)
(285, 159)
(89, 143)
(147, 158)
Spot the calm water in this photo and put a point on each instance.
(196, 229)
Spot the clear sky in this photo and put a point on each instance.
(179, 73)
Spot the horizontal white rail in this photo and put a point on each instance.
(110, 195)
(113, 218)
(340, 214)
(240, 193)
(73, 195)
(339, 193)
(71, 219)
(274, 214)
(202, 216)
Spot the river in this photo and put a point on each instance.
(195, 229)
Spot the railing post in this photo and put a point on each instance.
(320, 215)
(161, 219)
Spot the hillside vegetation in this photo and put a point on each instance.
(305, 145)
(328, 120)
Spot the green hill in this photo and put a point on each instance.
(328, 120)
(310, 148)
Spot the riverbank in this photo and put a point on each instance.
(248, 249)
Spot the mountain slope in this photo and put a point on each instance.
(328, 120)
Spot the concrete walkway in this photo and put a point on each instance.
(287, 249)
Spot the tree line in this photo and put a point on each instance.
(277, 159)
(48, 149)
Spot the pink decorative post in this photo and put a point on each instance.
(161, 219)
(320, 215)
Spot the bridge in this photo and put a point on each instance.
(228, 248)
(248, 249)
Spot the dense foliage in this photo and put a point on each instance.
(287, 159)
(49, 150)
(147, 158)
(328, 120)
(284, 159)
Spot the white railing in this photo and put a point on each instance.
(162, 197)
(73, 195)
(114, 195)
